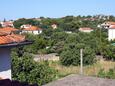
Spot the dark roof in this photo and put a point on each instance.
(7, 82)
(15, 44)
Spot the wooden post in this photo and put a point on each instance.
(81, 61)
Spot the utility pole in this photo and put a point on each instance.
(81, 61)
(100, 41)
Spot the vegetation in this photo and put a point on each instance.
(107, 74)
(109, 53)
(22, 21)
(25, 69)
(89, 70)
(67, 46)
(71, 55)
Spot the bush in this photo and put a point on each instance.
(71, 55)
(109, 52)
(24, 69)
(108, 74)
(101, 73)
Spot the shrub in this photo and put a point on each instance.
(107, 74)
(25, 69)
(101, 73)
(71, 55)
(109, 52)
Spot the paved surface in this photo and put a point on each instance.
(77, 80)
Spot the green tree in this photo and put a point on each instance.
(109, 52)
(71, 55)
(24, 69)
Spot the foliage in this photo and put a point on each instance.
(109, 52)
(39, 43)
(71, 55)
(26, 70)
(107, 74)
(22, 21)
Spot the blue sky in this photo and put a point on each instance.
(13, 9)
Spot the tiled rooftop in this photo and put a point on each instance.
(13, 38)
(112, 26)
(8, 29)
(32, 28)
(110, 23)
(6, 36)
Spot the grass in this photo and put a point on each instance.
(90, 70)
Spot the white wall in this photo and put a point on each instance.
(87, 31)
(5, 63)
(111, 34)
(35, 32)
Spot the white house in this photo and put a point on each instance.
(33, 29)
(111, 29)
(86, 29)
(25, 26)
(54, 26)
(111, 32)
(7, 24)
(107, 24)
(8, 41)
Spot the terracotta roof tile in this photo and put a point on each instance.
(8, 29)
(11, 39)
(112, 27)
(2, 33)
(32, 28)
(110, 23)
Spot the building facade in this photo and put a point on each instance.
(111, 33)
(8, 41)
(31, 29)
(86, 29)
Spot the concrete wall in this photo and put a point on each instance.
(111, 34)
(87, 31)
(35, 32)
(5, 63)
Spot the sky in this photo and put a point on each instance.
(14, 9)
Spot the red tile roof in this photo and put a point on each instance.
(8, 29)
(32, 28)
(112, 27)
(110, 23)
(2, 33)
(6, 39)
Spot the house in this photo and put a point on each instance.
(107, 24)
(32, 29)
(54, 26)
(110, 26)
(25, 26)
(7, 24)
(7, 42)
(86, 29)
(111, 32)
